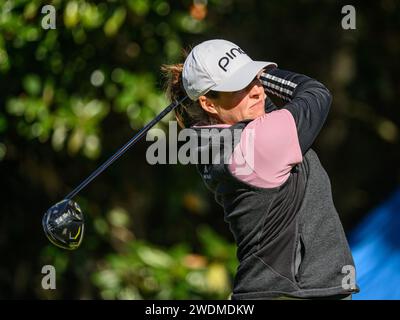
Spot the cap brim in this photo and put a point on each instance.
(242, 77)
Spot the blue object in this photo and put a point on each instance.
(375, 245)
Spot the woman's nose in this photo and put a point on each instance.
(256, 89)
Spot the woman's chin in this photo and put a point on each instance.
(256, 111)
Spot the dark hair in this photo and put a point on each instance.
(190, 112)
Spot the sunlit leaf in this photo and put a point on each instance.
(217, 278)
(114, 22)
(71, 14)
(32, 84)
(118, 217)
(155, 258)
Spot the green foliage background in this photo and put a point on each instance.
(69, 97)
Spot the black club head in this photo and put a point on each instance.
(63, 224)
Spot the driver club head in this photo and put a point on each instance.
(63, 224)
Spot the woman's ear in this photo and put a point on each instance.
(208, 105)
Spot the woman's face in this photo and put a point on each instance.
(231, 107)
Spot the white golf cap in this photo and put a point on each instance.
(218, 65)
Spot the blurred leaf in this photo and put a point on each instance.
(32, 84)
(101, 226)
(109, 281)
(92, 16)
(140, 7)
(118, 217)
(30, 10)
(114, 22)
(217, 278)
(76, 140)
(213, 244)
(155, 258)
(71, 14)
(3, 151)
(3, 123)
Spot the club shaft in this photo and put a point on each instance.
(122, 150)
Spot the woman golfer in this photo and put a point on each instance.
(275, 193)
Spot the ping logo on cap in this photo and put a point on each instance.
(223, 62)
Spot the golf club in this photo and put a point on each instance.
(63, 223)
